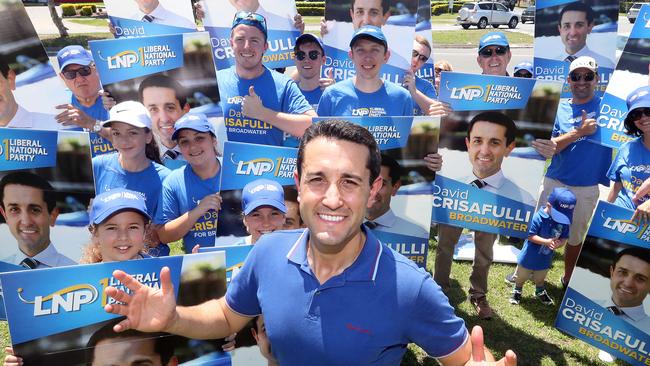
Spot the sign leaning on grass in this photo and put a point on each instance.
(599, 306)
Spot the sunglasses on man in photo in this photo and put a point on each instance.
(313, 55)
(72, 74)
(636, 113)
(587, 76)
(487, 52)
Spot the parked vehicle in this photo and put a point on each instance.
(633, 12)
(528, 15)
(483, 14)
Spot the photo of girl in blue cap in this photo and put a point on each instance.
(118, 225)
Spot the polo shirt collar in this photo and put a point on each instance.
(364, 267)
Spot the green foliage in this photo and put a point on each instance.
(86, 11)
(68, 10)
(311, 10)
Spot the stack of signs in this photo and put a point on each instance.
(35, 161)
(574, 28)
(489, 181)
(242, 164)
(397, 23)
(605, 304)
(282, 33)
(399, 217)
(68, 325)
(29, 74)
(631, 73)
(150, 18)
(167, 74)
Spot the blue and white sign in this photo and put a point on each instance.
(139, 18)
(244, 163)
(614, 223)
(235, 257)
(468, 92)
(24, 149)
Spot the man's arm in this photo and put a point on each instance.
(177, 228)
(294, 124)
(155, 310)
(423, 101)
(587, 127)
(613, 192)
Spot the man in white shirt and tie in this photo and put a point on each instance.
(151, 11)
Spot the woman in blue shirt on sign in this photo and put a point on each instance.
(136, 165)
(190, 198)
(631, 167)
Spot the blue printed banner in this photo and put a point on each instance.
(389, 132)
(7, 267)
(460, 204)
(124, 59)
(614, 223)
(99, 145)
(468, 92)
(243, 163)
(235, 257)
(25, 149)
(641, 29)
(129, 28)
(412, 247)
(591, 322)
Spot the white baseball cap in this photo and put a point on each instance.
(129, 112)
(584, 61)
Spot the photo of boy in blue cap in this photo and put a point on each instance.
(263, 208)
(549, 230)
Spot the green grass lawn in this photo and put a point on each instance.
(527, 329)
(471, 37)
(53, 40)
(88, 21)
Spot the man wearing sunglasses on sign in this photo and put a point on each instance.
(310, 57)
(79, 74)
(259, 104)
(575, 120)
(494, 54)
(421, 90)
(523, 70)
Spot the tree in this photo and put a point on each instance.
(63, 31)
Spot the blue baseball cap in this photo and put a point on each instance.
(194, 121)
(110, 202)
(309, 38)
(640, 98)
(369, 32)
(262, 192)
(493, 39)
(249, 18)
(524, 66)
(73, 55)
(562, 202)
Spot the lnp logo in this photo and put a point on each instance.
(253, 167)
(69, 299)
(236, 99)
(122, 60)
(621, 226)
(467, 92)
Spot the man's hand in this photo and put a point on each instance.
(252, 105)
(11, 359)
(588, 126)
(73, 116)
(409, 82)
(210, 202)
(329, 80)
(544, 147)
(298, 23)
(439, 109)
(146, 309)
(433, 162)
(482, 357)
(642, 212)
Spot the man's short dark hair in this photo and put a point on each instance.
(385, 6)
(4, 66)
(636, 252)
(164, 81)
(163, 342)
(496, 118)
(337, 129)
(30, 180)
(394, 169)
(578, 6)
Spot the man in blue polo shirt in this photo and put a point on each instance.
(366, 94)
(421, 90)
(331, 294)
(258, 104)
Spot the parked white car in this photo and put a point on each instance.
(483, 14)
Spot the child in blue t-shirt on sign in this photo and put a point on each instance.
(548, 231)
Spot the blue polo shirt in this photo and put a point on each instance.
(631, 167)
(426, 88)
(538, 257)
(344, 99)
(97, 111)
(366, 315)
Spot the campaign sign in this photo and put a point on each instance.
(279, 15)
(631, 73)
(493, 191)
(34, 159)
(573, 29)
(471, 92)
(139, 18)
(235, 257)
(423, 29)
(65, 307)
(37, 89)
(242, 164)
(400, 215)
(397, 23)
(6, 267)
(598, 307)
